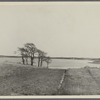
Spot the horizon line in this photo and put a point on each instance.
(56, 57)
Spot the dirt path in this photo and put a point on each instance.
(61, 81)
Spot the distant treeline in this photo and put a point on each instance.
(75, 58)
(10, 56)
(55, 57)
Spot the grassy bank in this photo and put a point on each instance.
(26, 80)
(17, 79)
(83, 81)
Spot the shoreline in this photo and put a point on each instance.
(72, 58)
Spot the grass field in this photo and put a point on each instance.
(83, 81)
(18, 79)
(26, 80)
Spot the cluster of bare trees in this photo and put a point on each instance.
(29, 51)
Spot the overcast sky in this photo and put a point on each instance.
(60, 29)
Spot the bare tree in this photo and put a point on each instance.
(42, 56)
(47, 60)
(26, 56)
(30, 50)
(30, 47)
(39, 56)
(22, 52)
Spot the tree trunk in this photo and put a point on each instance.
(41, 61)
(38, 61)
(23, 61)
(32, 61)
(47, 65)
(26, 60)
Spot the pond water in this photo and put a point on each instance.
(56, 63)
(71, 63)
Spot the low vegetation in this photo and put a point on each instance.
(21, 80)
(18, 79)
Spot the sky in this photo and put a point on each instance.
(62, 29)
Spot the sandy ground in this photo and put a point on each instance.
(17, 79)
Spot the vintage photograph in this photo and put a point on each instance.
(49, 48)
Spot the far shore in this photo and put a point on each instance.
(77, 58)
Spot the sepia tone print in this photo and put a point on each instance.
(49, 48)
